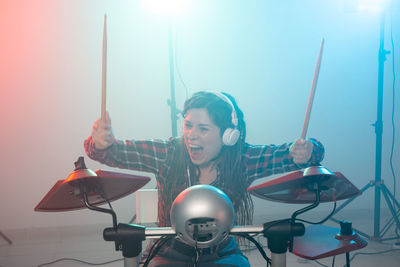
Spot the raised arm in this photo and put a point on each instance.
(146, 155)
(265, 160)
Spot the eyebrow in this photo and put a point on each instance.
(201, 124)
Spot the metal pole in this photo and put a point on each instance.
(378, 129)
(172, 100)
(278, 259)
(131, 262)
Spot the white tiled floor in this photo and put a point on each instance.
(36, 246)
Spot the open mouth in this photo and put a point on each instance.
(195, 150)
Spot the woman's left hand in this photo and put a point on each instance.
(301, 151)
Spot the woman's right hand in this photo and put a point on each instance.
(102, 134)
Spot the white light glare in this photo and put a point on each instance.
(170, 8)
(373, 6)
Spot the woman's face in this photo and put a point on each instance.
(202, 137)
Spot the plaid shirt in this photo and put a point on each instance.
(154, 155)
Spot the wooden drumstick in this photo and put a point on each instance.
(104, 71)
(312, 93)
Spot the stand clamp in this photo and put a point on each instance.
(127, 237)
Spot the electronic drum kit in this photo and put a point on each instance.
(84, 188)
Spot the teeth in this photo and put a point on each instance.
(194, 146)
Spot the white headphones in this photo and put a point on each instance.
(231, 135)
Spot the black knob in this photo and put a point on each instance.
(345, 228)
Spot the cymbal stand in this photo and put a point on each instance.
(83, 190)
(316, 187)
(378, 183)
(280, 234)
(128, 238)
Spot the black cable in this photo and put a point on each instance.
(393, 109)
(81, 261)
(196, 255)
(275, 223)
(100, 191)
(333, 261)
(151, 250)
(372, 253)
(196, 249)
(155, 248)
(323, 220)
(248, 247)
(259, 247)
(109, 204)
(152, 253)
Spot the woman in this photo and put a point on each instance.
(212, 150)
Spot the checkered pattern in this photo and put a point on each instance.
(154, 155)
